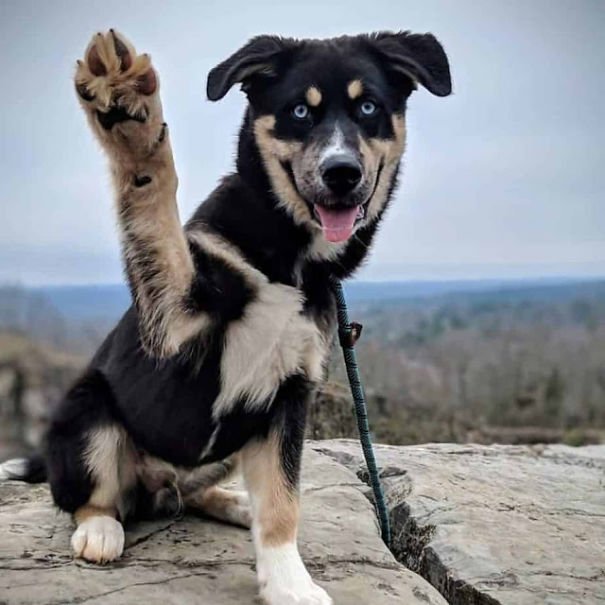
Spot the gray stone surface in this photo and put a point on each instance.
(510, 525)
(198, 561)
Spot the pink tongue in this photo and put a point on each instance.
(337, 225)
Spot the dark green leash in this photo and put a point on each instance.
(348, 333)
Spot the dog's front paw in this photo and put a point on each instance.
(98, 539)
(284, 579)
(119, 92)
(303, 592)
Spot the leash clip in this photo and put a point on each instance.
(349, 335)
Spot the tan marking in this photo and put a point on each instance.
(322, 249)
(273, 153)
(225, 505)
(313, 96)
(388, 152)
(110, 459)
(275, 505)
(152, 236)
(101, 458)
(215, 245)
(355, 89)
(89, 510)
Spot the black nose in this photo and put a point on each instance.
(341, 174)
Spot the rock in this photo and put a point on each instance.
(331, 414)
(489, 525)
(195, 560)
(509, 525)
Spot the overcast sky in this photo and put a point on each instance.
(503, 179)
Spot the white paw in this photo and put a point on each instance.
(276, 592)
(284, 579)
(98, 539)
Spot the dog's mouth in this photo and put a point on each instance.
(336, 223)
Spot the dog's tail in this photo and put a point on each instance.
(30, 470)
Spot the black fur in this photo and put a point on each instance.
(213, 281)
(89, 404)
(166, 405)
(290, 420)
(274, 242)
(36, 469)
(115, 116)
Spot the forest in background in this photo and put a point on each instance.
(521, 363)
(446, 361)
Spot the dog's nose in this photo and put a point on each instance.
(341, 173)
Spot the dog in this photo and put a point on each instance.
(214, 364)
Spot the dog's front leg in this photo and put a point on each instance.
(119, 91)
(271, 469)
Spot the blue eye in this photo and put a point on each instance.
(368, 108)
(300, 111)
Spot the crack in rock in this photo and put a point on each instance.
(458, 535)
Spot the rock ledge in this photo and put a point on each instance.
(509, 525)
(197, 561)
(499, 525)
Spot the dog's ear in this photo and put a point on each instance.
(420, 57)
(261, 57)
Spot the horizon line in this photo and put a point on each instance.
(562, 278)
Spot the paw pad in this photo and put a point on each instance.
(113, 75)
(122, 51)
(141, 181)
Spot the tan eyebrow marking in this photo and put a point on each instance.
(313, 96)
(355, 89)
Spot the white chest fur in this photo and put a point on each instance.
(272, 341)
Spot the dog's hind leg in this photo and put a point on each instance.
(91, 468)
(271, 469)
(223, 504)
(201, 493)
(169, 491)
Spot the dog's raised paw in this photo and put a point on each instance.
(115, 84)
(98, 539)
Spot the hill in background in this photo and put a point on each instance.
(510, 361)
(109, 301)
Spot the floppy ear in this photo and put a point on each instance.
(417, 56)
(260, 57)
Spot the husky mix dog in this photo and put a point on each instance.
(215, 362)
